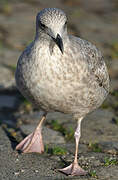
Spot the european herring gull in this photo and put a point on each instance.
(60, 72)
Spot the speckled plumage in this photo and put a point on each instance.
(75, 82)
(59, 72)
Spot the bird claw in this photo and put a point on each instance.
(74, 170)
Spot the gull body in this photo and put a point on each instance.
(60, 72)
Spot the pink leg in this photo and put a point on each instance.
(74, 169)
(33, 142)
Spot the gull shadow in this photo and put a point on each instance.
(8, 119)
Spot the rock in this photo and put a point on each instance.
(114, 84)
(113, 69)
(97, 126)
(34, 118)
(26, 166)
(9, 57)
(60, 117)
(18, 39)
(6, 78)
(7, 101)
(98, 6)
(110, 147)
(35, 166)
(108, 173)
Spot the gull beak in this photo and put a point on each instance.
(59, 43)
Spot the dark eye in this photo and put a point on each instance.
(42, 25)
(65, 24)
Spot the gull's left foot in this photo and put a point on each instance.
(74, 170)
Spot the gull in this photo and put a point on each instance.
(63, 73)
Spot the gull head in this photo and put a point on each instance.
(52, 22)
